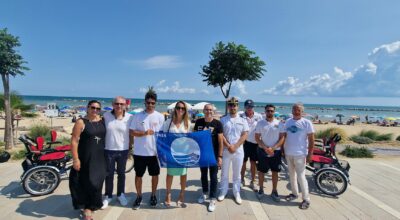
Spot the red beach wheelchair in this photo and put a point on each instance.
(43, 167)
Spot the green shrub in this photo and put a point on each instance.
(18, 155)
(398, 138)
(39, 130)
(361, 139)
(384, 137)
(371, 134)
(329, 132)
(29, 114)
(355, 152)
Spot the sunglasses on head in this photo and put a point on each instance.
(180, 108)
(95, 108)
(150, 103)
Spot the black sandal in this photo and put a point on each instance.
(304, 205)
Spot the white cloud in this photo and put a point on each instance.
(174, 88)
(205, 91)
(237, 89)
(320, 84)
(159, 62)
(380, 77)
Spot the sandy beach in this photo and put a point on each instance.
(64, 127)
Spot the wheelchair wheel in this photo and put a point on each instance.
(331, 182)
(41, 181)
(129, 163)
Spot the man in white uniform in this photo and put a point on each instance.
(235, 131)
(298, 148)
(143, 126)
(250, 145)
(269, 151)
(117, 147)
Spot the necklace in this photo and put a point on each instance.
(96, 138)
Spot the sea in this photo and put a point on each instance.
(324, 111)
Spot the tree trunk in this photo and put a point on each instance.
(8, 132)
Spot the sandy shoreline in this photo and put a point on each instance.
(67, 125)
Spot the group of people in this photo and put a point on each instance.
(101, 144)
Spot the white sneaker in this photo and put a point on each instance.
(211, 206)
(106, 201)
(122, 200)
(221, 197)
(202, 198)
(238, 199)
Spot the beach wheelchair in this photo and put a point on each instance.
(331, 175)
(43, 167)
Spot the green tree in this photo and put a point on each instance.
(11, 64)
(18, 107)
(229, 63)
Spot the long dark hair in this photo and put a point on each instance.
(93, 101)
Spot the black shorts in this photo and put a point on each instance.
(266, 163)
(250, 151)
(143, 162)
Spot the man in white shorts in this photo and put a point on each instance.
(235, 131)
(298, 148)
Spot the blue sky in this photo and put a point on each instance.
(339, 52)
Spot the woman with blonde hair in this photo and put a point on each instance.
(179, 123)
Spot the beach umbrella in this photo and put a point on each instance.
(340, 116)
(107, 108)
(200, 115)
(276, 114)
(200, 106)
(172, 106)
(390, 119)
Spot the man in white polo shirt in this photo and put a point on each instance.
(118, 142)
(235, 131)
(269, 140)
(298, 148)
(143, 126)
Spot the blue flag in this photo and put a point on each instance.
(179, 150)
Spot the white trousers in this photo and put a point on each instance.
(237, 161)
(297, 172)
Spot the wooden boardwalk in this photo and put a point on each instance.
(374, 194)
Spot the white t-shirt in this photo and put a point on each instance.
(296, 142)
(269, 131)
(146, 145)
(233, 128)
(252, 122)
(174, 129)
(117, 131)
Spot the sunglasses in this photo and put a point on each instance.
(232, 105)
(207, 109)
(151, 103)
(95, 108)
(180, 108)
(119, 104)
(269, 110)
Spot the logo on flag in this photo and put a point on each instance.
(179, 150)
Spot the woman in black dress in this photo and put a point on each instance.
(89, 166)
